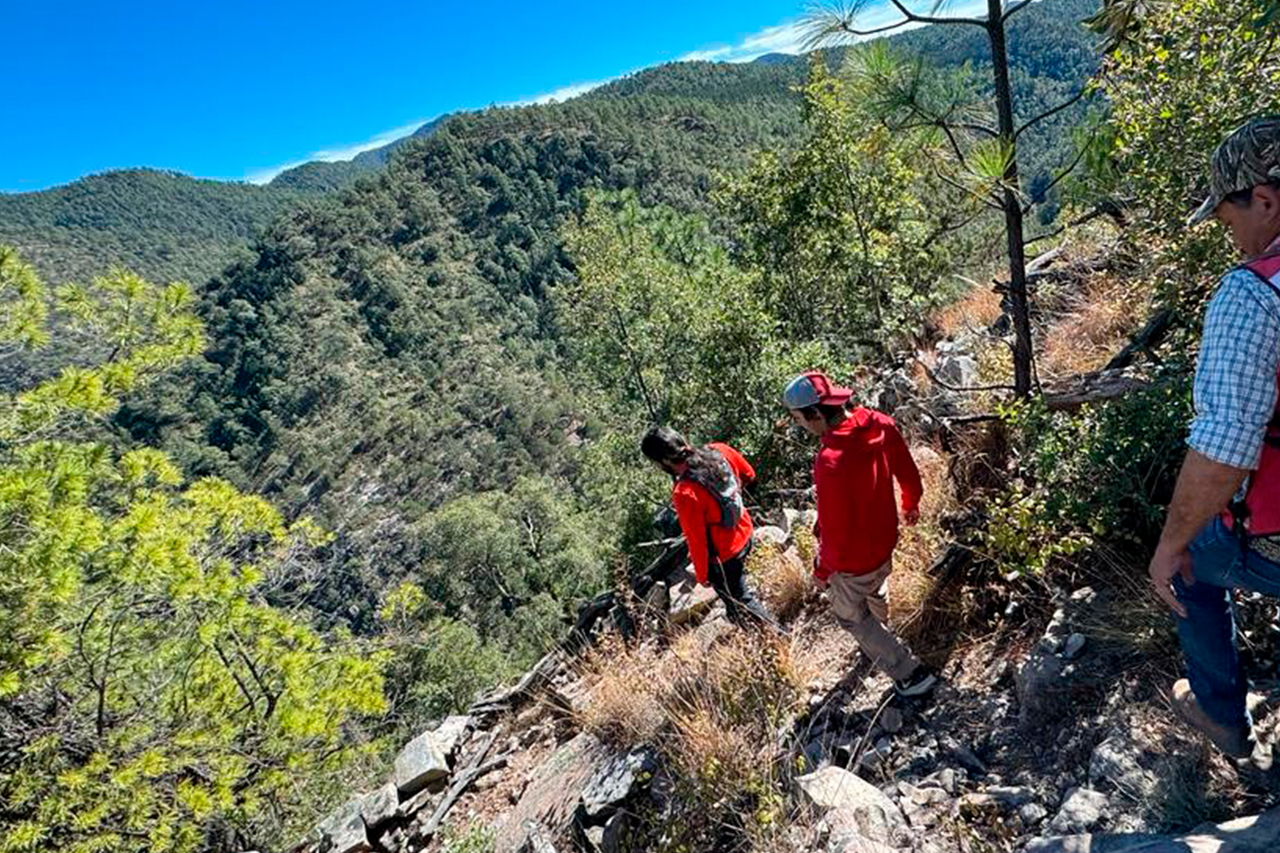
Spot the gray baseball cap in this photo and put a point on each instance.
(1248, 157)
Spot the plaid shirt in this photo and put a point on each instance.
(1235, 384)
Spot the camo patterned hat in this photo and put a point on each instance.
(1248, 157)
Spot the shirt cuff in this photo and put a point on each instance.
(1226, 443)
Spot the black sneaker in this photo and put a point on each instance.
(918, 683)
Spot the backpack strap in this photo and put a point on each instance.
(1263, 268)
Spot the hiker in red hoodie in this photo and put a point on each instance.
(707, 495)
(862, 453)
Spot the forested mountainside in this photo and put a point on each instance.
(168, 226)
(165, 225)
(394, 348)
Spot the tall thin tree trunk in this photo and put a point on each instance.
(1012, 205)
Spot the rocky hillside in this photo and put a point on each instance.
(1051, 740)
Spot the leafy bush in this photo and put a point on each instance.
(1101, 474)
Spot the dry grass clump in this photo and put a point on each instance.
(1097, 323)
(911, 583)
(782, 579)
(716, 708)
(975, 311)
(624, 707)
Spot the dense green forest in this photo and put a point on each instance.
(395, 434)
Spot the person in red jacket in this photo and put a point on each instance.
(707, 495)
(861, 455)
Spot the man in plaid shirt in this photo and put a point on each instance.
(1200, 559)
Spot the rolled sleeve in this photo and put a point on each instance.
(1235, 384)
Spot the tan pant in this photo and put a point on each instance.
(860, 604)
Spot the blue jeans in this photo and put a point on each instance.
(1208, 634)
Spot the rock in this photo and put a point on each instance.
(658, 598)
(852, 842)
(1032, 814)
(1256, 834)
(1115, 760)
(966, 758)
(377, 807)
(614, 833)
(995, 800)
(790, 519)
(688, 606)
(874, 755)
(343, 831)
(1081, 811)
(553, 792)
(922, 806)
(891, 720)
(1075, 645)
(958, 370)
(947, 779)
(614, 782)
(853, 804)
(769, 535)
(425, 759)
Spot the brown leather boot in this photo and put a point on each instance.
(1235, 742)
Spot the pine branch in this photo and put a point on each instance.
(1084, 90)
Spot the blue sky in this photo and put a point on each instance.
(239, 90)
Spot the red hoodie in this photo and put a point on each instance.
(699, 512)
(853, 474)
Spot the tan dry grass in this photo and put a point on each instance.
(782, 578)
(623, 708)
(911, 582)
(976, 310)
(716, 712)
(1097, 324)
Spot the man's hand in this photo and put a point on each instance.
(1164, 565)
(820, 581)
(911, 517)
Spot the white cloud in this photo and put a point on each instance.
(789, 36)
(781, 38)
(333, 155)
(564, 93)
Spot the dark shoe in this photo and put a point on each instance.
(1236, 742)
(921, 680)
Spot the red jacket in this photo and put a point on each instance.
(699, 512)
(853, 474)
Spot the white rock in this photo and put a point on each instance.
(1075, 645)
(769, 535)
(1081, 811)
(343, 831)
(853, 803)
(1115, 760)
(425, 759)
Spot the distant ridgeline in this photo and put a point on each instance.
(168, 226)
(390, 348)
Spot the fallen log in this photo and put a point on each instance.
(1150, 337)
(1094, 388)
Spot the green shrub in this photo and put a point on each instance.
(1104, 473)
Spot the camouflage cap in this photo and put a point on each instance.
(1248, 157)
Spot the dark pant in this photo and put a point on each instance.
(728, 579)
(1208, 634)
